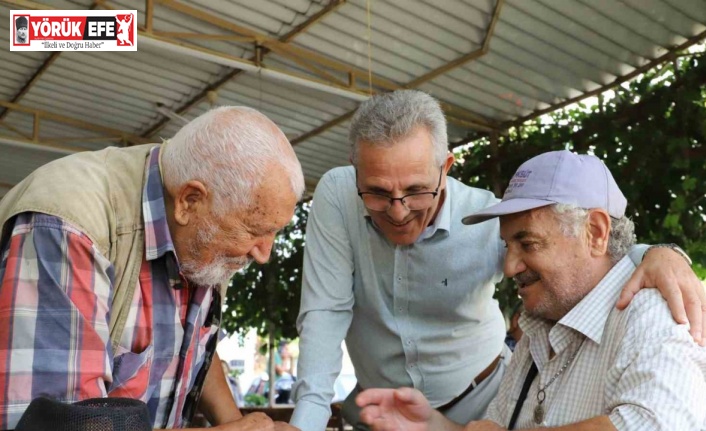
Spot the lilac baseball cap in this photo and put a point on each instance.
(557, 177)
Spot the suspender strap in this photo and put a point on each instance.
(531, 374)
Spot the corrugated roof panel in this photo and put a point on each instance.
(542, 52)
(478, 100)
(18, 162)
(478, 74)
(636, 20)
(242, 15)
(287, 17)
(537, 12)
(304, 7)
(325, 151)
(320, 39)
(691, 8)
(609, 27)
(169, 20)
(52, 130)
(84, 110)
(15, 68)
(469, 28)
(389, 28)
(671, 22)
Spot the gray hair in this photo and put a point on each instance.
(231, 149)
(383, 119)
(572, 220)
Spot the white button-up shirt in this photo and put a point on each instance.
(421, 315)
(637, 366)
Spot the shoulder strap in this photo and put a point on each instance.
(531, 374)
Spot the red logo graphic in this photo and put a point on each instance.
(126, 35)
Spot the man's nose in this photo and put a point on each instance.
(397, 211)
(513, 264)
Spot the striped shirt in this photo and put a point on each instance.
(637, 366)
(55, 296)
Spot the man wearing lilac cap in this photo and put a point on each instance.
(582, 364)
(558, 177)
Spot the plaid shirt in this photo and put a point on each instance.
(637, 366)
(55, 296)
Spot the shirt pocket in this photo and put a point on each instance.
(131, 373)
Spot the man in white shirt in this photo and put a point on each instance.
(582, 364)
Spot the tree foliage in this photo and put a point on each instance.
(651, 135)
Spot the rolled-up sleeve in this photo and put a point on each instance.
(326, 307)
(54, 297)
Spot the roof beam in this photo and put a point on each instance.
(332, 6)
(351, 73)
(47, 115)
(668, 56)
(41, 146)
(485, 47)
(454, 114)
(16, 130)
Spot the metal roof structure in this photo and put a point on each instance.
(307, 64)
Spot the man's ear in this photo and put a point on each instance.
(598, 231)
(450, 159)
(190, 199)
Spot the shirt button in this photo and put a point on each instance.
(399, 278)
(409, 342)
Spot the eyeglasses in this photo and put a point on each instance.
(412, 201)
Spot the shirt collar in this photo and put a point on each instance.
(158, 240)
(443, 218)
(589, 316)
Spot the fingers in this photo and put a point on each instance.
(370, 414)
(701, 292)
(385, 425)
(374, 396)
(693, 306)
(669, 287)
(678, 284)
(630, 289)
(409, 396)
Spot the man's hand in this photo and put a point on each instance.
(252, 422)
(484, 426)
(283, 426)
(403, 409)
(666, 270)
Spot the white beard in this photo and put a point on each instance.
(222, 268)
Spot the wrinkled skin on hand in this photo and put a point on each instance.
(252, 422)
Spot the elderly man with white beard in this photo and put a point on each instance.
(113, 266)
